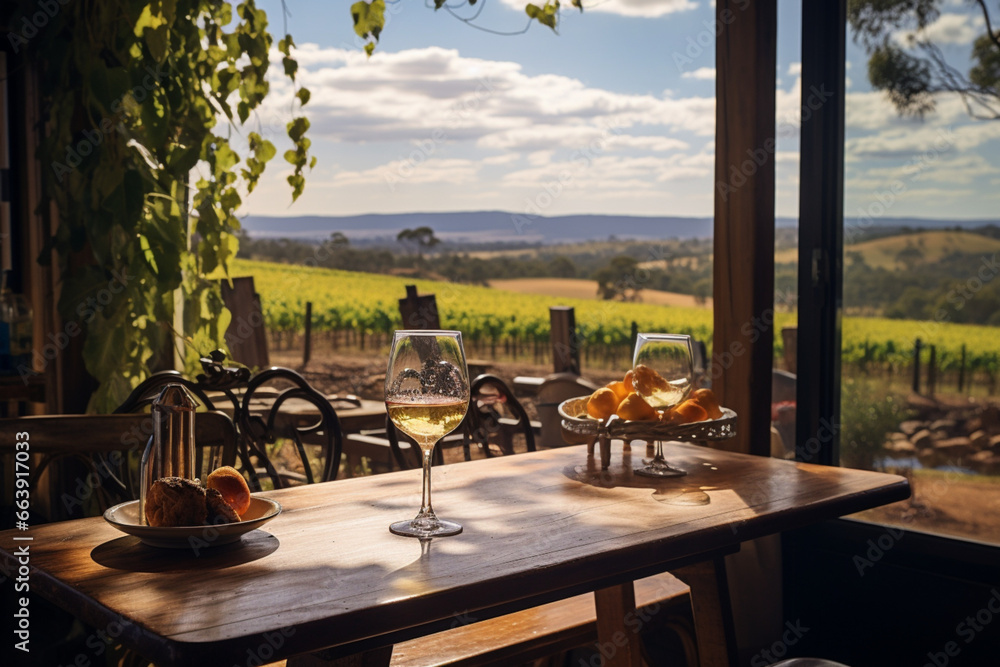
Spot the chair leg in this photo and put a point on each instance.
(713, 616)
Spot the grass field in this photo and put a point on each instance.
(367, 304)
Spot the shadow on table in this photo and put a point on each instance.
(128, 553)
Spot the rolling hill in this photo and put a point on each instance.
(928, 247)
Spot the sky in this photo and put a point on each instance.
(615, 114)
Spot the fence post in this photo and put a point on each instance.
(634, 336)
(307, 345)
(961, 370)
(916, 367)
(932, 371)
(565, 351)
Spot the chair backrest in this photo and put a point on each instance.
(493, 422)
(246, 335)
(92, 461)
(554, 390)
(262, 417)
(495, 417)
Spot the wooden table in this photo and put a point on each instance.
(299, 412)
(327, 574)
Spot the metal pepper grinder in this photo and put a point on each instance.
(170, 450)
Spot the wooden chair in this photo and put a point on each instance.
(92, 460)
(495, 425)
(256, 405)
(555, 389)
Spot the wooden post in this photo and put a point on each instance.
(743, 270)
(565, 351)
(916, 366)
(307, 344)
(961, 370)
(932, 371)
(634, 336)
(419, 312)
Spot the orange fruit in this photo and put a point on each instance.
(689, 411)
(230, 483)
(621, 393)
(647, 381)
(706, 399)
(628, 382)
(602, 403)
(634, 408)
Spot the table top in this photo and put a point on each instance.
(327, 572)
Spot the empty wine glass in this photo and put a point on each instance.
(662, 372)
(427, 396)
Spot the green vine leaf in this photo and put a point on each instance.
(153, 100)
(546, 15)
(369, 19)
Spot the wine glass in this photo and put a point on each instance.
(427, 396)
(662, 372)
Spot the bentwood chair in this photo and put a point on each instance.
(495, 425)
(256, 404)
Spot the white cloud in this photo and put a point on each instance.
(634, 8)
(794, 69)
(397, 172)
(436, 93)
(702, 73)
(947, 29)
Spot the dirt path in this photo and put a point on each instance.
(575, 288)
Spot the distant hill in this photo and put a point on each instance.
(483, 227)
(928, 247)
(512, 228)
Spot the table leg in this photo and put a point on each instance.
(618, 641)
(713, 616)
(378, 657)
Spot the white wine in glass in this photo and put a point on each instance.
(427, 396)
(662, 373)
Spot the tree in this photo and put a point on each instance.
(912, 71)
(619, 279)
(421, 237)
(910, 256)
(139, 96)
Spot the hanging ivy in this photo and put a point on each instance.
(145, 105)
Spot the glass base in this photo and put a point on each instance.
(425, 527)
(658, 467)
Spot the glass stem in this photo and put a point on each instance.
(425, 503)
